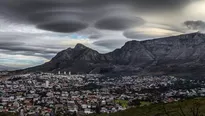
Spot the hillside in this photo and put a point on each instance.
(191, 107)
(177, 54)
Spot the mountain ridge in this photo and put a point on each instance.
(135, 56)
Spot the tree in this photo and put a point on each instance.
(195, 109)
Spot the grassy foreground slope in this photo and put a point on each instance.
(191, 107)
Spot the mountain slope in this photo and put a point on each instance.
(183, 52)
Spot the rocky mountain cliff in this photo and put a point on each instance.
(176, 54)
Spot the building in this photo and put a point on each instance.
(47, 83)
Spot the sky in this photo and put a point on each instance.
(33, 31)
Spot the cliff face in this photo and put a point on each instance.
(162, 54)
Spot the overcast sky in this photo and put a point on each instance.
(33, 31)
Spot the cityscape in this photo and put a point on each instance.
(102, 57)
(50, 94)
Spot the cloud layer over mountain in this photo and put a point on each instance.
(40, 28)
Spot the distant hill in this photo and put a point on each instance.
(183, 54)
(6, 68)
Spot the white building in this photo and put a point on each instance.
(65, 72)
(47, 83)
(69, 73)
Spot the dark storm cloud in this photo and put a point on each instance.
(110, 44)
(28, 53)
(40, 12)
(10, 44)
(158, 5)
(53, 15)
(195, 25)
(13, 47)
(119, 23)
(32, 5)
(95, 36)
(26, 48)
(15, 43)
(136, 35)
(64, 27)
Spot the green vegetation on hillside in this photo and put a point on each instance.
(123, 103)
(143, 103)
(191, 107)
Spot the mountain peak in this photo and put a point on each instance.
(195, 35)
(198, 33)
(171, 53)
(80, 46)
(132, 43)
